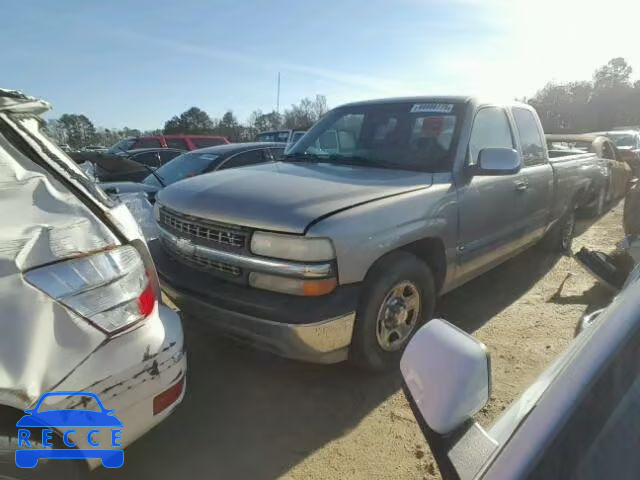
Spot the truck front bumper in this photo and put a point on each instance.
(313, 329)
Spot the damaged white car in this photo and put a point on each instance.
(81, 303)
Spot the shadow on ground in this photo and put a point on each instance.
(475, 303)
(248, 414)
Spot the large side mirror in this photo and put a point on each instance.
(447, 373)
(497, 161)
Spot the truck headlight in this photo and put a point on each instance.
(156, 211)
(292, 247)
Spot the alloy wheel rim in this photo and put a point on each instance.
(398, 316)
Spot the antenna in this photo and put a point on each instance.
(278, 97)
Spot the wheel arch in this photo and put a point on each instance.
(431, 251)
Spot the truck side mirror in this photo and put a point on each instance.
(497, 161)
(447, 373)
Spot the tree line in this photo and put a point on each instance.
(610, 99)
(78, 131)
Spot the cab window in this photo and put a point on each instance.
(491, 129)
(531, 139)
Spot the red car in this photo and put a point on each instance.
(182, 142)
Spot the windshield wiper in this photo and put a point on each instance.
(155, 174)
(340, 159)
(305, 157)
(363, 161)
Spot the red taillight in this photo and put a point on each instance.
(110, 288)
(167, 398)
(146, 301)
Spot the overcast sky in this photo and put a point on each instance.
(138, 62)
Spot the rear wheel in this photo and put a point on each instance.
(398, 297)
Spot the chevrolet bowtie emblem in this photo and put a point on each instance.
(185, 245)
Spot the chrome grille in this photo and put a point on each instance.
(197, 228)
(201, 262)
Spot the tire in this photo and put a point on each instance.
(389, 291)
(560, 237)
(46, 469)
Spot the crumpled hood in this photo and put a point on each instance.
(283, 196)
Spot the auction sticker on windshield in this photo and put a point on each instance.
(432, 108)
(99, 432)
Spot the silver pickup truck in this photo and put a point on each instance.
(340, 251)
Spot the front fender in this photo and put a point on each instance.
(363, 234)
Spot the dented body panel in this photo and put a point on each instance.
(49, 215)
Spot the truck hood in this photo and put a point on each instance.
(286, 197)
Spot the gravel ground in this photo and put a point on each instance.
(251, 415)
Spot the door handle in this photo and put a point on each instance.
(521, 186)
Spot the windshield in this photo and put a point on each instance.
(622, 140)
(122, 146)
(281, 136)
(183, 166)
(411, 136)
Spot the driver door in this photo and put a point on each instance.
(492, 209)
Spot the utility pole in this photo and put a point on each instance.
(278, 96)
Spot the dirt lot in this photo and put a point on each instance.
(250, 415)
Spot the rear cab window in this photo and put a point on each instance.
(531, 139)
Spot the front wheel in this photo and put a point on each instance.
(398, 297)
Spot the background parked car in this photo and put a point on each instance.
(95, 148)
(197, 162)
(132, 166)
(628, 143)
(617, 171)
(180, 142)
(176, 142)
(285, 136)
